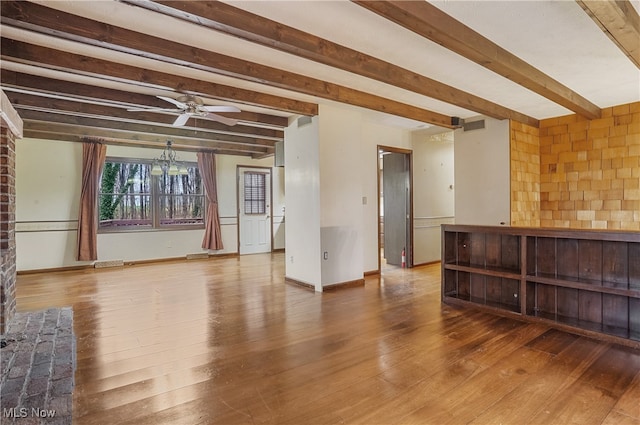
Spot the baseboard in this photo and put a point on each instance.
(277, 250)
(56, 269)
(126, 263)
(372, 273)
(342, 285)
(300, 283)
(426, 264)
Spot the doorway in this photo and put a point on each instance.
(254, 210)
(395, 206)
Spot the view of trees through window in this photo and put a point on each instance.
(131, 198)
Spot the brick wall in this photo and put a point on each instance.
(590, 170)
(525, 175)
(7, 228)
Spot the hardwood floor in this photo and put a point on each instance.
(225, 341)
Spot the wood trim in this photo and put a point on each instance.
(620, 21)
(126, 263)
(236, 22)
(300, 283)
(428, 263)
(600, 234)
(372, 273)
(278, 250)
(343, 285)
(430, 22)
(56, 269)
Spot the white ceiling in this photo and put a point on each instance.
(557, 37)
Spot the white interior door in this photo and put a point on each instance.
(254, 215)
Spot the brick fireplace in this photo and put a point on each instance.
(10, 130)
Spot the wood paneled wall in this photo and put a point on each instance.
(589, 171)
(525, 175)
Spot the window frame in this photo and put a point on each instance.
(154, 195)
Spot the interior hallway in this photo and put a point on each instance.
(226, 341)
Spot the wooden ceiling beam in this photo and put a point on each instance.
(19, 51)
(130, 99)
(620, 22)
(231, 20)
(31, 101)
(48, 21)
(136, 131)
(61, 134)
(430, 22)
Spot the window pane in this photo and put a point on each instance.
(181, 199)
(254, 193)
(125, 198)
(181, 209)
(128, 210)
(131, 198)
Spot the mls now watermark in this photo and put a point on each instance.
(23, 412)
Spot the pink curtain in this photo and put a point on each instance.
(93, 156)
(207, 166)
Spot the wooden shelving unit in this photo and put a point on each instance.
(586, 281)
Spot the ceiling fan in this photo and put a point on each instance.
(192, 106)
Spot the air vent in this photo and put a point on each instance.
(278, 160)
(109, 263)
(302, 121)
(198, 256)
(473, 125)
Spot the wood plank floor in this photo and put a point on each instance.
(225, 341)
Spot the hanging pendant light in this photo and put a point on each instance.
(167, 163)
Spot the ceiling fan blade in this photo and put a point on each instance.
(181, 120)
(220, 118)
(175, 102)
(220, 108)
(152, 110)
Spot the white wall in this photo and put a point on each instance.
(340, 195)
(302, 186)
(482, 176)
(47, 202)
(433, 192)
(47, 197)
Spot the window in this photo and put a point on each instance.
(254, 193)
(130, 198)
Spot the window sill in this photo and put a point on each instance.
(150, 229)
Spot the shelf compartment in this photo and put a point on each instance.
(487, 271)
(492, 291)
(611, 314)
(483, 250)
(594, 285)
(586, 280)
